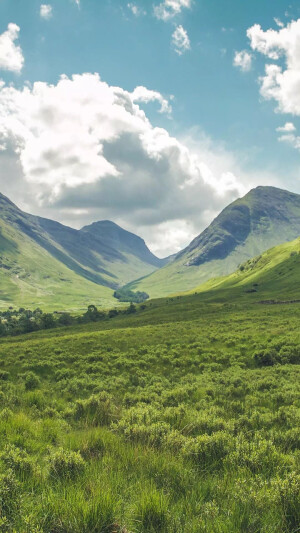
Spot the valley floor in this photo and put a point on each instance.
(181, 418)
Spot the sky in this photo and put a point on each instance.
(152, 113)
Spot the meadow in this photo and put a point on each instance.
(182, 417)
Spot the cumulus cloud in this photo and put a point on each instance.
(280, 82)
(11, 56)
(243, 60)
(288, 127)
(168, 9)
(46, 11)
(85, 150)
(180, 40)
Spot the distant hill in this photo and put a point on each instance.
(265, 217)
(43, 262)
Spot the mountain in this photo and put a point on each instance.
(265, 217)
(43, 262)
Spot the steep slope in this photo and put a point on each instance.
(265, 217)
(46, 263)
(271, 276)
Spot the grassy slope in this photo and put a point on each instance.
(274, 274)
(45, 263)
(31, 277)
(280, 223)
(190, 420)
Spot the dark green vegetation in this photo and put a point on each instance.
(182, 417)
(16, 322)
(265, 217)
(125, 295)
(43, 262)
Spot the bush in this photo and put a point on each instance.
(32, 381)
(65, 463)
(98, 410)
(17, 460)
(207, 450)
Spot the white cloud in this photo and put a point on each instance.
(144, 95)
(291, 139)
(278, 22)
(46, 11)
(85, 150)
(243, 60)
(168, 9)
(280, 82)
(135, 9)
(288, 127)
(11, 56)
(180, 40)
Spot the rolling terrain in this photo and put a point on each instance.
(265, 217)
(151, 422)
(45, 263)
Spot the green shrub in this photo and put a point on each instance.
(258, 456)
(17, 460)
(98, 410)
(208, 450)
(31, 381)
(66, 464)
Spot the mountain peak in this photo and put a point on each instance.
(263, 218)
(109, 232)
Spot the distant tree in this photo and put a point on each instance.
(112, 313)
(47, 321)
(65, 319)
(131, 309)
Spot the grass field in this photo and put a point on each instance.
(183, 417)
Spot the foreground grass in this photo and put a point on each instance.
(181, 418)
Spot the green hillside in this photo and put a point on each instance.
(275, 274)
(181, 417)
(44, 263)
(265, 217)
(31, 277)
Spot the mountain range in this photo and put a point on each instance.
(263, 218)
(45, 263)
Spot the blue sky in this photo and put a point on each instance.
(220, 112)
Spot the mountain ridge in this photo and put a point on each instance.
(66, 254)
(264, 217)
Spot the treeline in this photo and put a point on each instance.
(17, 322)
(126, 295)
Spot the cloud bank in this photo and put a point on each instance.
(83, 150)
